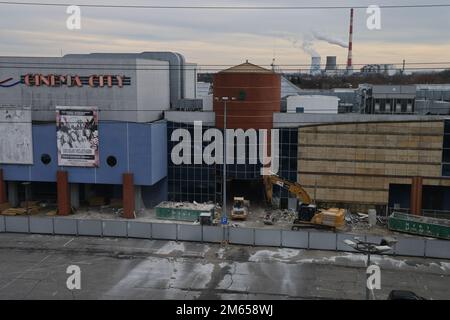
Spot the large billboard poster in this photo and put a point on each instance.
(16, 142)
(77, 136)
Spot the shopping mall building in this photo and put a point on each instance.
(107, 125)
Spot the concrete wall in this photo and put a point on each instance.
(142, 100)
(313, 104)
(153, 89)
(356, 163)
(295, 120)
(138, 148)
(314, 240)
(208, 118)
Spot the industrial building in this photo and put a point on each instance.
(382, 99)
(135, 103)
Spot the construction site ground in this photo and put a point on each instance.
(255, 219)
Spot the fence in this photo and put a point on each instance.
(241, 236)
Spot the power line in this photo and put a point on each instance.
(211, 7)
(176, 68)
(200, 65)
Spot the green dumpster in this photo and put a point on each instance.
(184, 211)
(424, 226)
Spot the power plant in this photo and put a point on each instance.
(331, 68)
(315, 65)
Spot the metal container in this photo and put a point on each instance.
(182, 211)
(429, 227)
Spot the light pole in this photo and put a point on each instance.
(369, 248)
(224, 182)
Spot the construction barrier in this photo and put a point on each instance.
(316, 240)
(64, 226)
(139, 230)
(295, 239)
(2, 224)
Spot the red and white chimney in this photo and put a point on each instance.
(350, 45)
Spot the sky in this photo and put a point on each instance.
(229, 37)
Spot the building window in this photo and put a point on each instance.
(190, 182)
(46, 159)
(111, 161)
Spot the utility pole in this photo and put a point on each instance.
(224, 206)
(369, 248)
(224, 181)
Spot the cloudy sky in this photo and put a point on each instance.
(230, 36)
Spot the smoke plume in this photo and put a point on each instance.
(331, 40)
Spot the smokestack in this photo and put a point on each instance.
(350, 45)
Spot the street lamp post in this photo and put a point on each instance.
(369, 248)
(224, 182)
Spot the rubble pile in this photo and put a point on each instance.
(279, 215)
(187, 205)
(357, 221)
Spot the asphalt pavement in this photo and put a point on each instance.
(34, 267)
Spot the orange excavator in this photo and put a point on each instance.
(307, 213)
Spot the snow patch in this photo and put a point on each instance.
(282, 255)
(170, 247)
(445, 266)
(220, 253)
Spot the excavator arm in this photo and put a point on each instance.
(293, 187)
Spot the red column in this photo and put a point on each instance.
(63, 189)
(128, 196)
(2, 188)
(413, 196)
(419, 191)
(416, 196)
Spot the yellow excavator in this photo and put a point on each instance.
(307, 213)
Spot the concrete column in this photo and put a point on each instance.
(419, 193)
(63, 190)
(13, 193)
(138, 200)
(416, 196)
(87, 191)
(413, 196)
(2, 188)
(75, 195)
(128, 197)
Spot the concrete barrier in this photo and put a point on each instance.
(295, 239)
(41, 225)
(164, 231)
(89, 227)
(113, 228)
(437, 249)
(270, 238)
(213, 234)
(65, 226)
(241, 236)
(139, 230)
(322, 240)
(17, 224)
(410, 247)
(189, 233)
(341, 246)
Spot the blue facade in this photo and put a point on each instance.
(140, 148)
